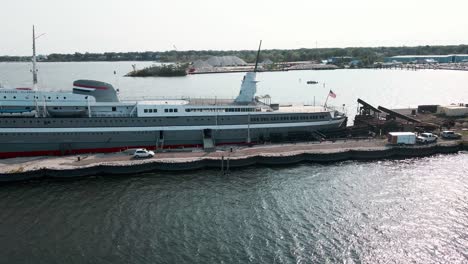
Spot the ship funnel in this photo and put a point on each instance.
(249, 84)
(101, 91)
(248, 89)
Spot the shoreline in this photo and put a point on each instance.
(21, 169)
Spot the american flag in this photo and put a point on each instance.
(332, 94)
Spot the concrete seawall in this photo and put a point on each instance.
(259, 158)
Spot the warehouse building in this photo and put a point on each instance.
(453, 58)
(453, 110)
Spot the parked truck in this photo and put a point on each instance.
(426, 138)
(401, 138)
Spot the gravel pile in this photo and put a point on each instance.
(200, 65)
(223, 61)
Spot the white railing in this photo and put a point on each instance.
(155, 98)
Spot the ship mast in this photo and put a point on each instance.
(258, 56)
(34, 62)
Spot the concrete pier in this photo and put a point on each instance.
(273, 154)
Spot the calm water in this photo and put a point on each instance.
(405, 211)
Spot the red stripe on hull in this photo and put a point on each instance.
(7, 155)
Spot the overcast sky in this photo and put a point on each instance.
(156, 25)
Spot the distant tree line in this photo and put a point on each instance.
(366, 55)
(14, 58)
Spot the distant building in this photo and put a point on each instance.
(355, 62)
(453, 110)
(340, 60)
(266, 62)
(453, 58)
(41, 57)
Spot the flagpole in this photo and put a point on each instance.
(326, 100)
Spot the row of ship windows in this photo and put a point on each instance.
(254, 119)
(46, 122)
(221, 110)
(175, 110)
(37, 97)
(283, 118)
(167, 110)
(77, 133)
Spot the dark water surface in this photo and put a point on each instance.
(405, 211)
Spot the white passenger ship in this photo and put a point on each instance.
(91, 118)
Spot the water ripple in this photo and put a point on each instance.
(404, 211)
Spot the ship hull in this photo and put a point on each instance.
(42, 140)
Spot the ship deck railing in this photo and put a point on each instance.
(152, 98)
(198, 101)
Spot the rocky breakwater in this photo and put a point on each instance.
(232, 157)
